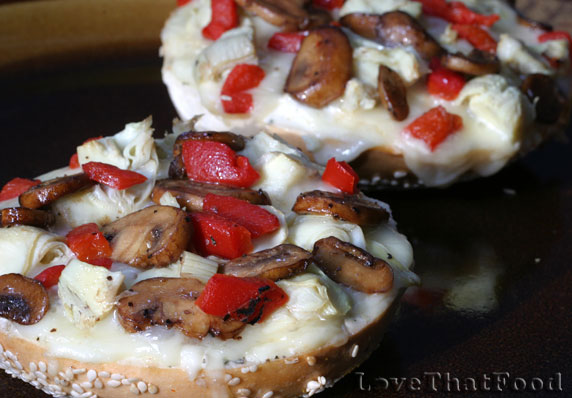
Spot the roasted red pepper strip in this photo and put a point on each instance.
(112, 176)
(477, 36)
(15, 187)
(74, 160)
(181, 3)
(249, 300)
(254, 218)
(89, 245)
(241, 78)
(209, 161)
(288, 42)
(219, 236)
(444, 83)
(457, 12)
(237, 103)
(50, 276)
(557, 35)
(328, 4)
(341, 175)
(224, 17)
(434, 126)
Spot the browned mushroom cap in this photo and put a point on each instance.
(392, 93)
(352, 266)
(171, 302)
(22, 300)
(351, 208)
(321, 68)
(288, 14)
(190, 194)
(49, 191)
(153, 237)
(24, 216)
(177, 167)
(549, 101)
(280, 262)
(394, 29)
(477, 63)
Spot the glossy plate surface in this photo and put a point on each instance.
(494, 254)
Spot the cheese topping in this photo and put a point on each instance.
(81, 323)
(356, 122)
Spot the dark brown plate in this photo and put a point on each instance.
(507, 240)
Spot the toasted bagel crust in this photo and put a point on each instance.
(307, 373)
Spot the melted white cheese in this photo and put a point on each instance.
(321, 312)
(343, 129)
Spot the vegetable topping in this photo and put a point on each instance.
(224, 17)
(112, 176)
(254, 218)
(89, 245)
(208, 161)
(50, 276)
(219, 236)
(341, 175)
(22, 300)
(248, 300)
(434, 126)
(241, 78)
(15, 187)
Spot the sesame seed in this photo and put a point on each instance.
(117, 376)
(87, 385)
(142, 387)
(311, 360)
(253, 368)
(133, 379)
(98, 384)
(245, 370)
(234, 381)
(104, 374)
(42, 366)
(322, 380)
(18, 365)
(355, 350)
(243, 391)
(91, 375)
(227, 377)
(291, 361)
(268, 394)
(87, 394)
(55, 388)
(113, 383)
(77, 371)
(77, 387)
(40, 375)
(153, 389)
(75, 394)
(53, 368)
(125, 382)
(33, 367)
(34, 383)
(134, 389)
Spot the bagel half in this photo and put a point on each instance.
(501, 119)
(324, 330)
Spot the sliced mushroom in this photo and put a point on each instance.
(352, 266)
(392, 93)
(49, 191)
(22, 300)
(24, 216)
(549, 101)
(477, 63)
(280, 262)
(321, 68)
(177, 166)
(289, 15)
(170, 302)
(350, 208)
(153, 237)
(394, 29)
(190, 194)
